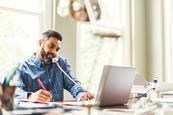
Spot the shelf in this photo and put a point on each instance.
(107, 35)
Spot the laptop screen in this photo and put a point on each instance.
(115, 85)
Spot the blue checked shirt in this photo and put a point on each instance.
(51, 76)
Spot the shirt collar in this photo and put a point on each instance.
(36, 60)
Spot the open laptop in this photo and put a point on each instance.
(114, 87)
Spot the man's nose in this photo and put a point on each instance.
(54, 52)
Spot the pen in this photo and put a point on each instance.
(41, 84)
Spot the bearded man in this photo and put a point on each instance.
(40, 67)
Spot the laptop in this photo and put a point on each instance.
(114, 87)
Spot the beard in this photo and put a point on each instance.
(46, 57)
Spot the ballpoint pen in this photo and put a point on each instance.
(41, 84)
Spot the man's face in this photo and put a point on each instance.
(49, 49)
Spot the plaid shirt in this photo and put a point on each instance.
(51, 76)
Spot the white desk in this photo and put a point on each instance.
(113, 110)
(130, 109)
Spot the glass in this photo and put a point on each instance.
(7, 97)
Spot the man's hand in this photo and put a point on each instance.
(40, 95)
(85, 96)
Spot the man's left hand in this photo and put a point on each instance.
(85, 96)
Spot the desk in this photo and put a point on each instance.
(63, 109)
(94, 110)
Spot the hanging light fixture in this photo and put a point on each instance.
(63, 8)
(79, 10)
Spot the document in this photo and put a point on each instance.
(27, 104)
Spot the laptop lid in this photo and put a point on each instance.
(115, 85)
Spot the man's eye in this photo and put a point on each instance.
(50, 46)
(57, 49)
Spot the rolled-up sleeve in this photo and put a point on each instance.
(19, 92)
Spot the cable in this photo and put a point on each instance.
(140, 96)
(54, 60)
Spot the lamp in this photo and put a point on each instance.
(79, 10)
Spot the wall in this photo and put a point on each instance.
(154, 44)
(168, 42)
(68, 30)
(138, 31)
(147, 38)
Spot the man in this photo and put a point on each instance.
(41, 67)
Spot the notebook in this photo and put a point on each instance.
(114, 87)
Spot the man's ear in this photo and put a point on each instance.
(40, 42)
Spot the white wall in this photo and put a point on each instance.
(168, 42)
(147, 37)
(154, 44)
(138, 31)
(68, 30)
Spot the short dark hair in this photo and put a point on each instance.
(52, 33)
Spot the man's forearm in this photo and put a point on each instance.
(21, 94)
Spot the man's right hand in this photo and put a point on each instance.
(40, 95)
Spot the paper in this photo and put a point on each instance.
(26, 104)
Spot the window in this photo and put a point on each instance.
(96, 51)
(20, 28)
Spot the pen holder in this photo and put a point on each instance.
(7, 97)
